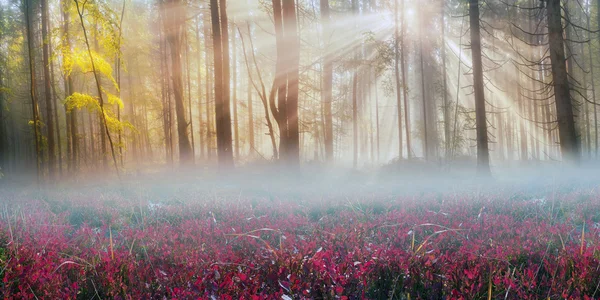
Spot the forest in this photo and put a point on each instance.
(124, 86)
(299, 149)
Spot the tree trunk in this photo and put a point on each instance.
(327, 93)
(293, 44)
(280, 81)
(72, 115)
(405, 83)
(174, 21)
(34, 101)
(80, 12)
(166, 113)
(445, 85)
(208, 57)
(236, 128)
(562, 97)
(250, 116)
(425, 131)
(222, 85)
(593, 78)
(47, 92)
(483, 159)
(397, 78)
(189, 90)
(3, 132)
(199, 59)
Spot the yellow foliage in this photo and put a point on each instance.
(81, 59)
(78, 100)
(113, 99)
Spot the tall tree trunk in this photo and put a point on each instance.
(562, 96)
(250, 116)
(3, 131)
(377, 118)
(72, 115)
(175, 16)
(355, 97)
(445, 85)
(166, 102)
(425, 131)
(280, 82)
(236, 128)
(189, 89)
(397, 78)
(593, 83)
(222, 85)
(405, 82)
(293, 45)
(34, 101)
(47, 92)
(327, 93)
(208, 57)
(80, 12)
(199, 60)
(483, 156)
(118, 79)
(55, 101)
(266, 100)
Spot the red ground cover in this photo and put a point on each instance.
(429, 246)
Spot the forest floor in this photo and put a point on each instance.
(314, 235)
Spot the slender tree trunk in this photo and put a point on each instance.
(175, 12)
(250, 117)
(293, 44)
(327, 81)
(222, 85)
(166, 102)
(445, 85)
(34, 102)
(47, 92)
(199, 60)
(280, 82)
(54, 103)
(4, 155)
(405, 82)
(397, 78)
(72, 115)
(593, 84)
(189, 90)
(483, 159)
(562, 96)
(234, 99)
(80, 12)
(101, 118)
(425, 131)
(262, 94)
(208, 57)
(118, 79)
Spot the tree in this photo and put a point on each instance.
(174, 12)
(79, 100)
(47, 91)
(405, 82)
(262, 93)
(286, 80)
(327, 82)
(483, 156)
(423, 92)
(28, 12)
(397, 78)
(218, 13)
(562, 95)
(199, 71)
